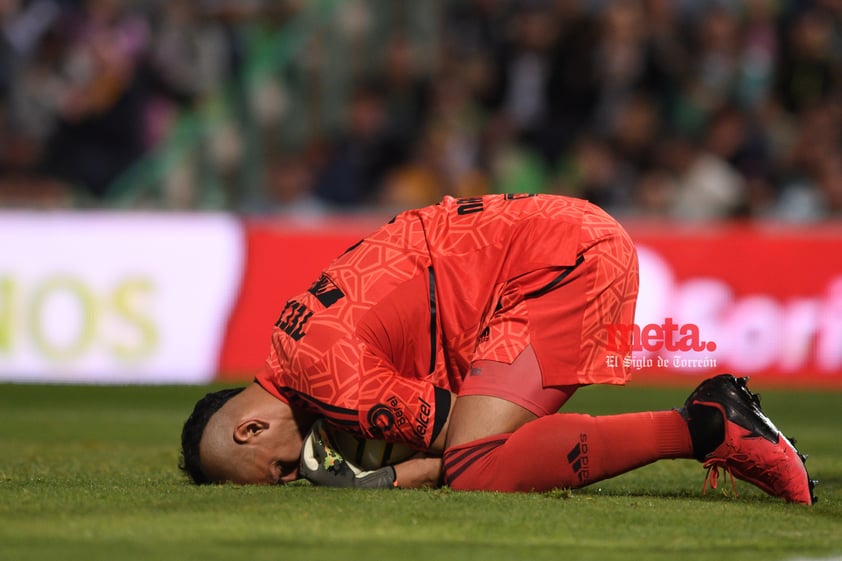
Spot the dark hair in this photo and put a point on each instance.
(194, 428)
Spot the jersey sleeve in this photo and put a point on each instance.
(400, 409)
(357, 390)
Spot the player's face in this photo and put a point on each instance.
(271, 456)
(268, 465)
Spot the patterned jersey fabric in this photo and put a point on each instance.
(391, 327)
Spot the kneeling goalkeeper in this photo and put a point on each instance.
(461, 329)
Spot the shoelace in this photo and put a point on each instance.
(713, 465)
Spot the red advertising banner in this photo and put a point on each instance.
(768, 298)
(281, 261)
(753, 300)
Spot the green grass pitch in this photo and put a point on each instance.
(88, 472)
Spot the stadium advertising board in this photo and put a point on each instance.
(115, 298)
(156, 298)
(763, 301)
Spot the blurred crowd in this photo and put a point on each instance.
(89, 86)
(689, 110)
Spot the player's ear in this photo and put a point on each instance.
(248, 429)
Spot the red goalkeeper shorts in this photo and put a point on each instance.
(563, 313)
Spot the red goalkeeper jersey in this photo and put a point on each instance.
(391, 327)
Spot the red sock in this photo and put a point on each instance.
(567, 451)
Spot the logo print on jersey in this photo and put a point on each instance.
(380, 419)
(469, 205)
(326, 291)
(422, 420)
(293, 318)
(578, 458)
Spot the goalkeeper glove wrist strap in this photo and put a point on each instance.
(383, 478)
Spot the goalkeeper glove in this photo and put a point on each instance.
(322, 464)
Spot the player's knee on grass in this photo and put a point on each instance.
(495, 401)
(470, 467)
(478, 426)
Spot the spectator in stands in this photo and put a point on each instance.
(524, 70)
(188, 61)
(406, 91)
(708, 188)
(360, 156)
(809, 69)
(100, 105)
(809, 179)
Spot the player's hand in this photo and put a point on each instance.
(321, 464)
